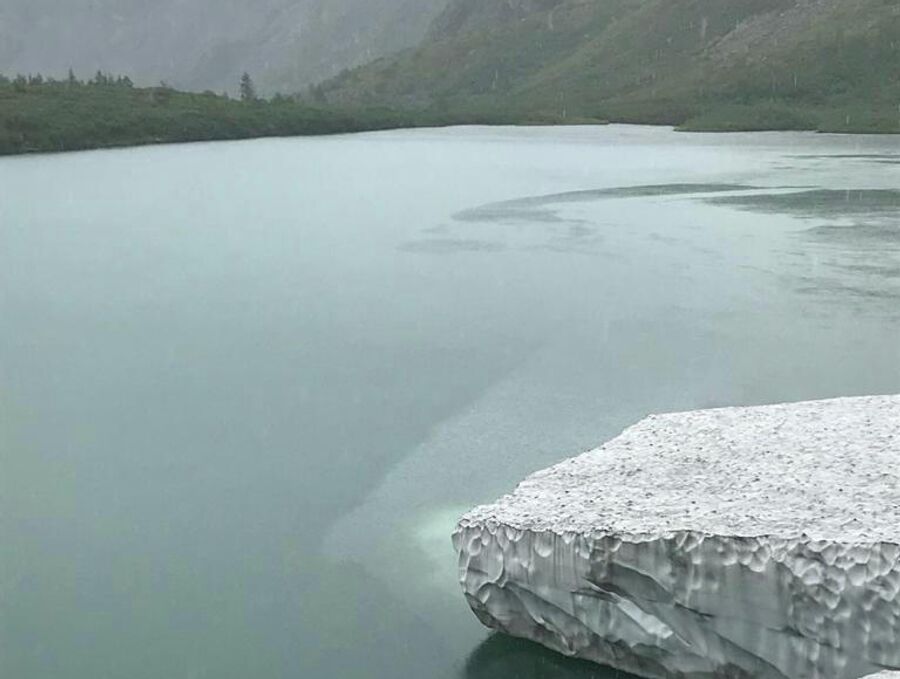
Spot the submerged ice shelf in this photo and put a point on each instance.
(735, 542)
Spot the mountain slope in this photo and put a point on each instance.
(207, 44)
(832, 64)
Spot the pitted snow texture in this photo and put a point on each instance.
(738, 542)
(824, 468)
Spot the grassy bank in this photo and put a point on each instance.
(41, 116)
(37, 115)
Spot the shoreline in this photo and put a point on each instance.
(425, 126)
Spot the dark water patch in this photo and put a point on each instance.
(863, 259)
(437, 229)
(667, 240)
(576, 238)
(565, 248)
(877, 270)
(578, 231)
(511, 213)
(892, 157)
(535, 209)
(817, 204)
(504, 657)
(854, 255)
(820, 287)
(866, 233)
(447, 246)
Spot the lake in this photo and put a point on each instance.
(246, 388)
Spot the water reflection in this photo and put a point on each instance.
(546, 208)
(501, 656)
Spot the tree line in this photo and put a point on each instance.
(20, 82)
(100, 79)
(40, 114)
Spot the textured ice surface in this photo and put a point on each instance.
(736, 542)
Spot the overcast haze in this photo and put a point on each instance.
(207, 44)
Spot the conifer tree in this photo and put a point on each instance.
(248, 90)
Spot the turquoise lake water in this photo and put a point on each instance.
(246, 388)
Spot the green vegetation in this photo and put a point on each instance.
(830, 65)
(248, 89)
(37, 114)
(768, 115)
(45, 115)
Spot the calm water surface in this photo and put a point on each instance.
(246, 388)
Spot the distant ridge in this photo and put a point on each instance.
(702, 64)
(207, 44)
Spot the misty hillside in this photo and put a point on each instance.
(743, 64)
(207, 44)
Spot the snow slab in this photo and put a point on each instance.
(758, 542)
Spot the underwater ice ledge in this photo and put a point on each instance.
(757, 542)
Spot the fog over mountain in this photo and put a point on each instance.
(701, 64)
(707, 64)
(207, 44)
